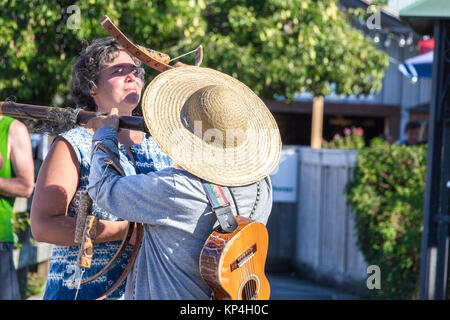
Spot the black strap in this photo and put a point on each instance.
(220, 206)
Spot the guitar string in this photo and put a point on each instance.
(239, 276)
(252, 271)
(249, 288)
(248, 280)
(248, 277)
(256, 284)
(255, 295)
(246, 273)
(241, 283)
(241, 289)
(245, 270)
(249, 272)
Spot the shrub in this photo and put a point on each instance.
(387, 194)
(20, 222)
(35, 284)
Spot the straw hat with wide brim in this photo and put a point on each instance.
(212, 125)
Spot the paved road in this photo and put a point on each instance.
(285, 287)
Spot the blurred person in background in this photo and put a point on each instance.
(412, 134)
(16, 180)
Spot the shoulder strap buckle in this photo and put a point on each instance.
(220, 206)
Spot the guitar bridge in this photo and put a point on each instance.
(243, 258)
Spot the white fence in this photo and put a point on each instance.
(32, 253)
(317, 235)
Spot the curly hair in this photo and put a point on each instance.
(86, 70)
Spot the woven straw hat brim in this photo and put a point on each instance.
(252, 160)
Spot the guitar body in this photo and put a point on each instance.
(232, 264)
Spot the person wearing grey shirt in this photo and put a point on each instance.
(172, 203)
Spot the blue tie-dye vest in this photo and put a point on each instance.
(148, 157)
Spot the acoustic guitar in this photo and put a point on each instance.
(232, 264)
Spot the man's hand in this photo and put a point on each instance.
(111, 120)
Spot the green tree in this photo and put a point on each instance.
(276, 47)
(38, 42)
(281, 47)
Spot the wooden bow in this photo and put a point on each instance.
(152, 58)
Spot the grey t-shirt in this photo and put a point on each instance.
(177, 218)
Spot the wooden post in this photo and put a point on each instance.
(317, 123)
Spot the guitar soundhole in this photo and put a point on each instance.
(249, 290)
